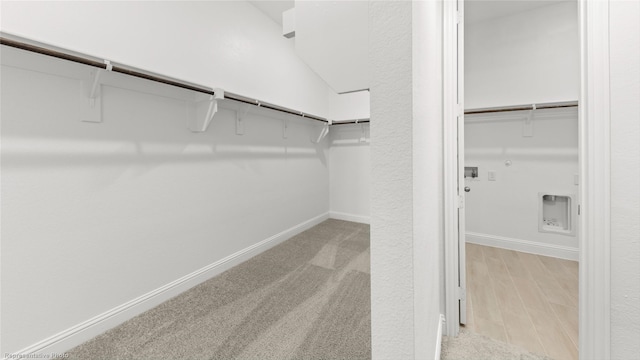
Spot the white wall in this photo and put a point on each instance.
(392, 323)
(97, 215)
(350, 157)
(625, 178)
(524, 58)
(178, 183)
(504, 212)
(349, 106)
(226, 44)
(350, 172)
(406, 220)
(333, 38)
(428, 186)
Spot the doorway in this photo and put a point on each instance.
(521, 174)
(591, 191)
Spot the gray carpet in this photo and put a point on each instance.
(472, 346)
(307, 298)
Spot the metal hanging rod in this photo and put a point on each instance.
(348, 122)
(555, 105)
(102, 65)
(266, 105)
(91, 62)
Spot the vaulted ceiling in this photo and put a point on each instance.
(332, 36)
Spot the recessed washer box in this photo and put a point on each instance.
(555, 213)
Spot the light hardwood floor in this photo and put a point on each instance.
(523, 299)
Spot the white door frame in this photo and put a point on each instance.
(594, 150)
(451, 111)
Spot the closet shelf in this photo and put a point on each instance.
(106, 65)
(551, 105)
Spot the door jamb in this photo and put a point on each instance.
(450, 167)
(594, 150)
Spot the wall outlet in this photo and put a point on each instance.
(492, 175)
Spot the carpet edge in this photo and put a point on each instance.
(88, 329)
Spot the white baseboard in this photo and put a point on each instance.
(349, 217)
(439, 338)
(76, 335)
(557, 251)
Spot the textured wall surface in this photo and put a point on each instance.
(392, 308)
(625, 179)
(428, 232)
(406, 163)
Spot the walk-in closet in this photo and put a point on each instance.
(302, 179)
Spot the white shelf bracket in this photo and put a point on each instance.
(92, 112)
(527, 128)
(241, 114)
(363, 137)
(95, 87)
(323, 133)
(202, 109)
(285, 126)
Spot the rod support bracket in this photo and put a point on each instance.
(241, 114)
(363, 137)
(323, 133)
(92, 111)
(200, 112)
(285, 126)
(527, 127)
